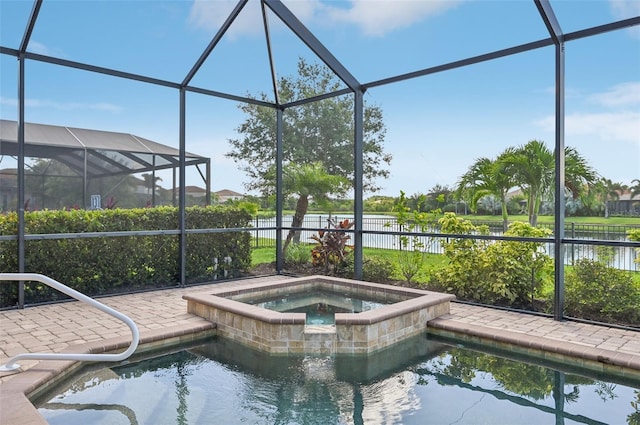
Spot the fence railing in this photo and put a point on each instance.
(379, 233)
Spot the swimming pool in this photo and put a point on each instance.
(425, 379)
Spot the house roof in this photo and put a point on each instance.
(227, 192)
(108, 152)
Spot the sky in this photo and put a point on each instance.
(436, 125)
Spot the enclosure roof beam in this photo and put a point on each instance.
(462, 63)
(230, 96)
(294, 24)
(214, 42)
(272, 65)
(550, 21)
(600, 29)
(32, 22)
(100, 70)
(105, 158)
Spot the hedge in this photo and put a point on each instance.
(107, 265)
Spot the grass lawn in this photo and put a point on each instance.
(268, 255)
(431, 261)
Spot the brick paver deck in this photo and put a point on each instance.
(74, 326)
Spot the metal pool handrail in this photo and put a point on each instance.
(12, 362)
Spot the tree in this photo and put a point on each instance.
(437, 198)
(309, 180)
(533, 168)
(607, 190)
(318, 131)
(635, 188)
(487, 177)
(150, 182)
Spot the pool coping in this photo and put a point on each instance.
(592, 358)
(415, 300)
(17, 390)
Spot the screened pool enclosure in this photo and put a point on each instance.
(185, 75)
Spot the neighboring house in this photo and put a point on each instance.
(625, 204)
(195, 191)
(225, 194)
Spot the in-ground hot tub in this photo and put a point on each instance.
(397, 313)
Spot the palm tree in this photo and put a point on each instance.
(487, 177)
(533, 167)
(608, 191)
(635, 188)
(151, 183)
(309, 181)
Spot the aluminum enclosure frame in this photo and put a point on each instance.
(355, 88)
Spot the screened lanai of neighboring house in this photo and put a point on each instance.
(90, 156)
(456, 81)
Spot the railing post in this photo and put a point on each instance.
(573, 236)
(135, 335)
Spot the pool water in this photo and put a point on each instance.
(319, 305)
(423, 380)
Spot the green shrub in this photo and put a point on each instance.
(492, 272)
(412, 249)
(596, 291)
(298, 254)
(374, 269)
(103, 265)
(377, 269)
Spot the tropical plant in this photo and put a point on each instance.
(332, 249)
(308, 181)
(487, 177)
(607, 190)
(412, 248)
(503, 272)
(298, 254)
(635, 188)
(533, 167)
(151, 183)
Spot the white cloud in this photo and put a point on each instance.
(624, 9)
(623, 126)
(63, 106)
(37, 47)
(43, 49)
(378, 17)
(617, 120)
(624, 94)
(210, 15)
(373, 17)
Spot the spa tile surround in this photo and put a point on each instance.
(287, 333)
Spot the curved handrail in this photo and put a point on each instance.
(12, 362)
